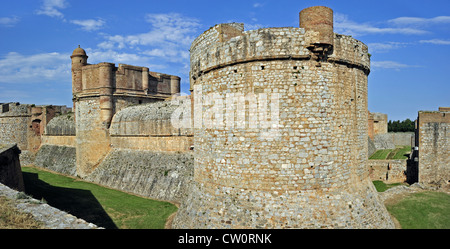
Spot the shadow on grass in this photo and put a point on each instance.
(78, 202)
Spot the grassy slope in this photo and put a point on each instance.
(102, 206)
(425, 210)
(400, 152)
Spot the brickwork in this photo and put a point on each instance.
(434, 142)
(309, 168)
(389, 171)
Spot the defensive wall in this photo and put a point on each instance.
(100, 91)
(392, 139)
(382, 139)
(148, 156)
(433, 143)
(389, 171)
(124, 138)
(15, 119)
(308, 167)
(24, 124)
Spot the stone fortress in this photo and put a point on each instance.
(275, 131)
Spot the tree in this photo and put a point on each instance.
(404, 126)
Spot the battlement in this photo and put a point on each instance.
(227, 44)
(126, 79)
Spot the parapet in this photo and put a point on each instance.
(105, 79)
(15, 109)
(227, 44)
(154, 119)
(63, 125)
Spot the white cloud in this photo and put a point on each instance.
(89, 24)
(382, 47)
(37, 68)
(167, 41)
(51, 8)
(12, 95)
(390, 65)
(172, 28)
(418, 21)
(344, 25)
(436, 41)
(257, 5)
(9, 21)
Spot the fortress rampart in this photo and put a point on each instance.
(23, 124)
(100, 91)
(308, 168)
(14, 121)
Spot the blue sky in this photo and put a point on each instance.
(409, 42)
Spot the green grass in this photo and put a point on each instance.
(102, 206)
(425, 210)
(380, 154)
(401, 152)
(381, 186)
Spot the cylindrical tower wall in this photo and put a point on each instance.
(79, 59)
(174, 84)
(106, 88)
(145, 77)
(281, 142)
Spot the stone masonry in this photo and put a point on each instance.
(433, 140)
(308, 167)
(101, 90)
(24, 124)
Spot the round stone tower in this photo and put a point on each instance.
(280, 129)
(79, 59)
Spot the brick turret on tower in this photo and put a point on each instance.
(79, 59)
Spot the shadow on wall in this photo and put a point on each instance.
(78, 202)
(412, 167)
